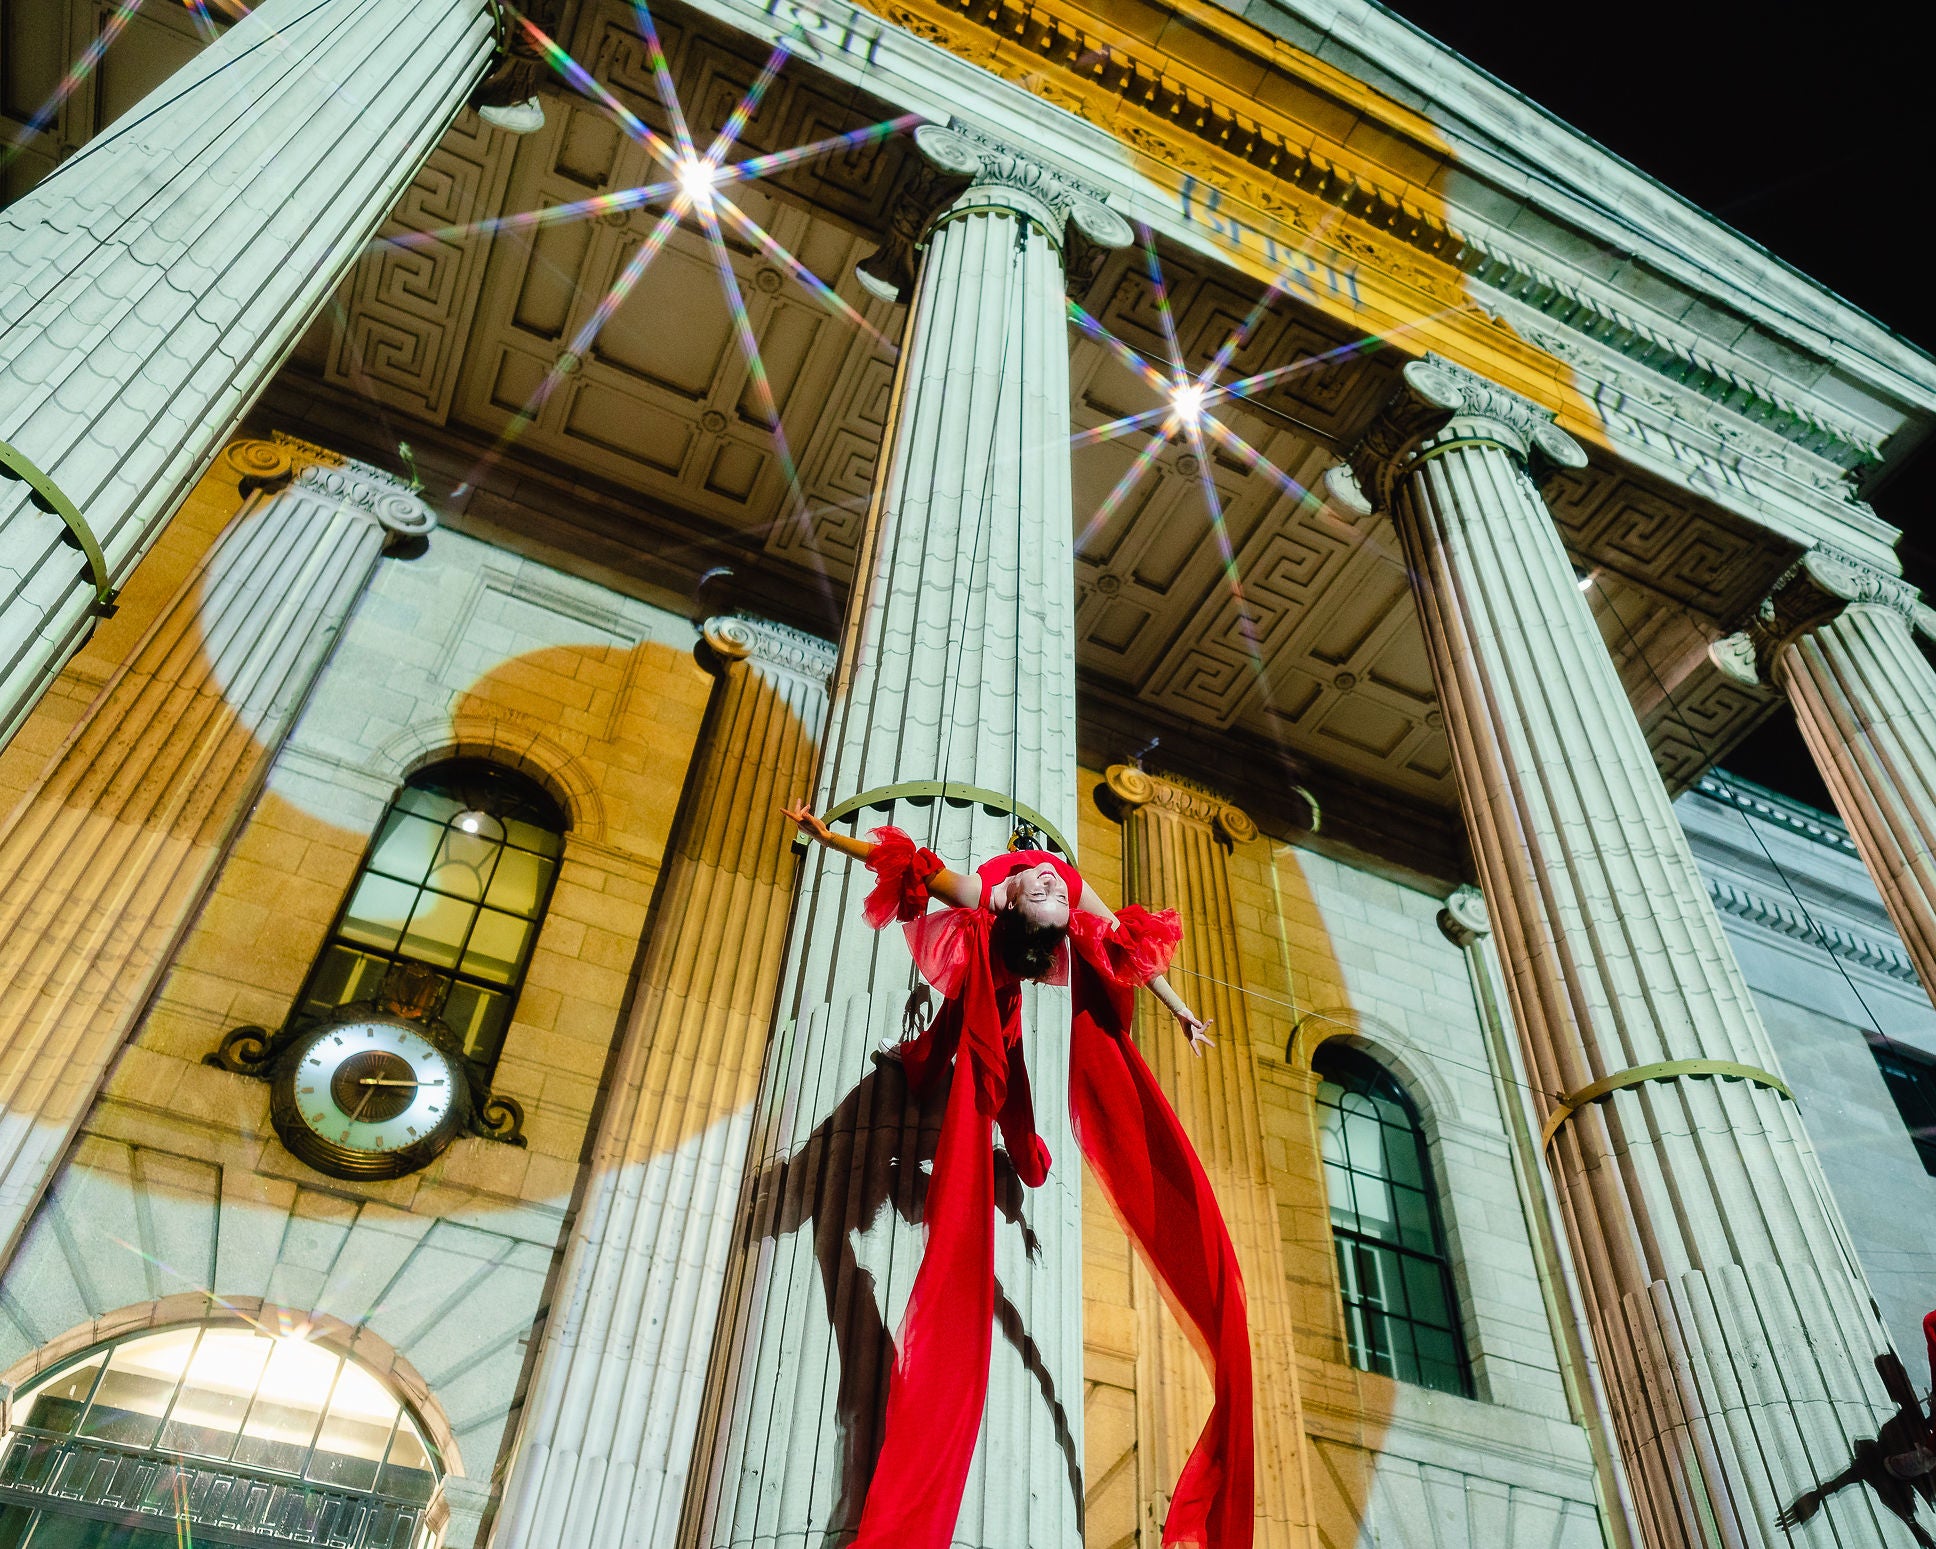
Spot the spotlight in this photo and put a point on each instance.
(1186, 403)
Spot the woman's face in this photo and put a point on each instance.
(1039, 895)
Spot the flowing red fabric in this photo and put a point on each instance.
(1143, 1159)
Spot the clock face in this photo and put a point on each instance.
(369, 1096)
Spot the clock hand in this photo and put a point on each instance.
(380, 1081)
(361, 1106)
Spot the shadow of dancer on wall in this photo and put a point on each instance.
(1902, 1435)
(873, 1153)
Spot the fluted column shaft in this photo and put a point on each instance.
(1735, 1332)
(958, 663)
(1865, 698)
(608, 1428)
(104, 862)
(1176, 843)
(155, 281)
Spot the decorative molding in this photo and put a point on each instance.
(736, 637)
(1691, 393)
(284, 461)
(1734, 657)
(1815, 590)
(1789, 920)
(1804, 821)
(1132, 787)
(1440, 406)
(1465, 918)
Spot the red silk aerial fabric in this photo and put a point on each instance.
(1140, 1154)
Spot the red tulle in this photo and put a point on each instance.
(1147, 1167)
(903, 873)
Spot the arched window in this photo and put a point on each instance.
(213, 1434)
(1399, 1309)
(457, 879)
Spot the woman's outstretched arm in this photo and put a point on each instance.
(948, 886)
(1188, 1020)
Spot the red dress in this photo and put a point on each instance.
(1132, 1141)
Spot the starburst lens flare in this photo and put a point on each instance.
(1186, 403)
(696, 178)
(696, 190)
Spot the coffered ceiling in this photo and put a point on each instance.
(1295, 628)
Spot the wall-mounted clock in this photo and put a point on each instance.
(365, 1094)
(375, 1089)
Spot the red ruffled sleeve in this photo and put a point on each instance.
(1136, 951)
(903, 872)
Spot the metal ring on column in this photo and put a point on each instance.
(16, 462)
(1664, 1070)
(911, 790)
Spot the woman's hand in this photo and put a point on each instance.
(1197, 1028)
(804, 819)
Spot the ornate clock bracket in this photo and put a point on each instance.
(408, 991)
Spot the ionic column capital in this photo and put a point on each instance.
(1817, 589)
(1465, 919)
(1132, 788)
(1001, 177)
(735, 637)
(1441, 407)
(283, 462)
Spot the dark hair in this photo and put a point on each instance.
(1027, 948)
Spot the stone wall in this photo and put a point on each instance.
(178, 1184)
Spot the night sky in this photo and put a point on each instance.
(1809, 129)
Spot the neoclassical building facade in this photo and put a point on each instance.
(463, 468)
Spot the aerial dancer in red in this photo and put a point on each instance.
(1028, 915)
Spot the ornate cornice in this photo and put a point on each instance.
(1133, 788)
(734, 637)
(284, 461)
(1788, 920)
(1440, 405)
(1187, 117)
(1778, 810)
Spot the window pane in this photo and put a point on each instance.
(1402, 1162)
(409, 1474)
(1414, 1221)
(478, 1017)
(407, 847)
(355, 1436)
(135, 1389)
(464, 863)
(288, 1404)
(440, 809)
(221, 1381)
(519, 883)
(376, 915)
(344, 975)
(528, 836)
(437, 930)
(496, 946)
(58, 1405)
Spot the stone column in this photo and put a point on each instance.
(613, 1409)
(958, 665)
(1735, 1332)
(104, 863)
(156, 280)
(1841, 643)
(1176, 843)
